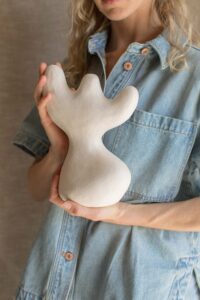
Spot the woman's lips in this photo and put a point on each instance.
(109, 1)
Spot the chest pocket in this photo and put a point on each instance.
(156, 149)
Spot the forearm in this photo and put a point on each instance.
(40, 176)
(177, 216)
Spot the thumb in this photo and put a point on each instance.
(58, 170)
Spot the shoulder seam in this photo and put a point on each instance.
(195, 47)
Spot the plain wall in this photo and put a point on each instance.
(30, 32)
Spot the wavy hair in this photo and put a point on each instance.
(86, 19)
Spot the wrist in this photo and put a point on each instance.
(131, 214)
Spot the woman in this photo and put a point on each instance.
(147, 246)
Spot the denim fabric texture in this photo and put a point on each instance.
(160, 143)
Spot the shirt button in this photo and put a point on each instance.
(145, 51)
(68, 255)
(128, 65)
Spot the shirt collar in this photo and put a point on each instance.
(160, 44)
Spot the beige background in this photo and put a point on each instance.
(30, 32)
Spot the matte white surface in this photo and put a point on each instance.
(91, 175)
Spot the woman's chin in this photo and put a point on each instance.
(115, 14)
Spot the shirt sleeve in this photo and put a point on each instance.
(31, 136)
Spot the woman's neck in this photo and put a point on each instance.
(139, 27)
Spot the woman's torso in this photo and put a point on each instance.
(160, 145)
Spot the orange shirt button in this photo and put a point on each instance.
(145, 51)
(128, 65)
(68, 255)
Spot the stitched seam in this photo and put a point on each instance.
(139, 124)
(186, 158)
(21, 287)
(54, 266)
(161, 116)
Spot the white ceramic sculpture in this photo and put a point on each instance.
(91, 175)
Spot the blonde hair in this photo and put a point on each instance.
(86, 19)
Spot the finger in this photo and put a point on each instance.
(59, 170)
(42, 106)
(37, 91)
(39, 88)
(42, 68)
(54, 197)
(41, 84)
(54, 185)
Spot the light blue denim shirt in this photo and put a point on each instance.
(76, 258)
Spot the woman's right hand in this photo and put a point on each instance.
(58, 139)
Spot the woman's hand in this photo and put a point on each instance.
(111, 214)
(58, 139)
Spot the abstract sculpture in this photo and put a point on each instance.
(91, 175)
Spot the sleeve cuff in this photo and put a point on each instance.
(31, 144)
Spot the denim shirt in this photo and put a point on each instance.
(76, 258)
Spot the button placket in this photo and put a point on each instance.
(70, 227)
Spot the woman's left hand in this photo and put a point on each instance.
(110, 214)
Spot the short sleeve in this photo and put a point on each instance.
(31, 136)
